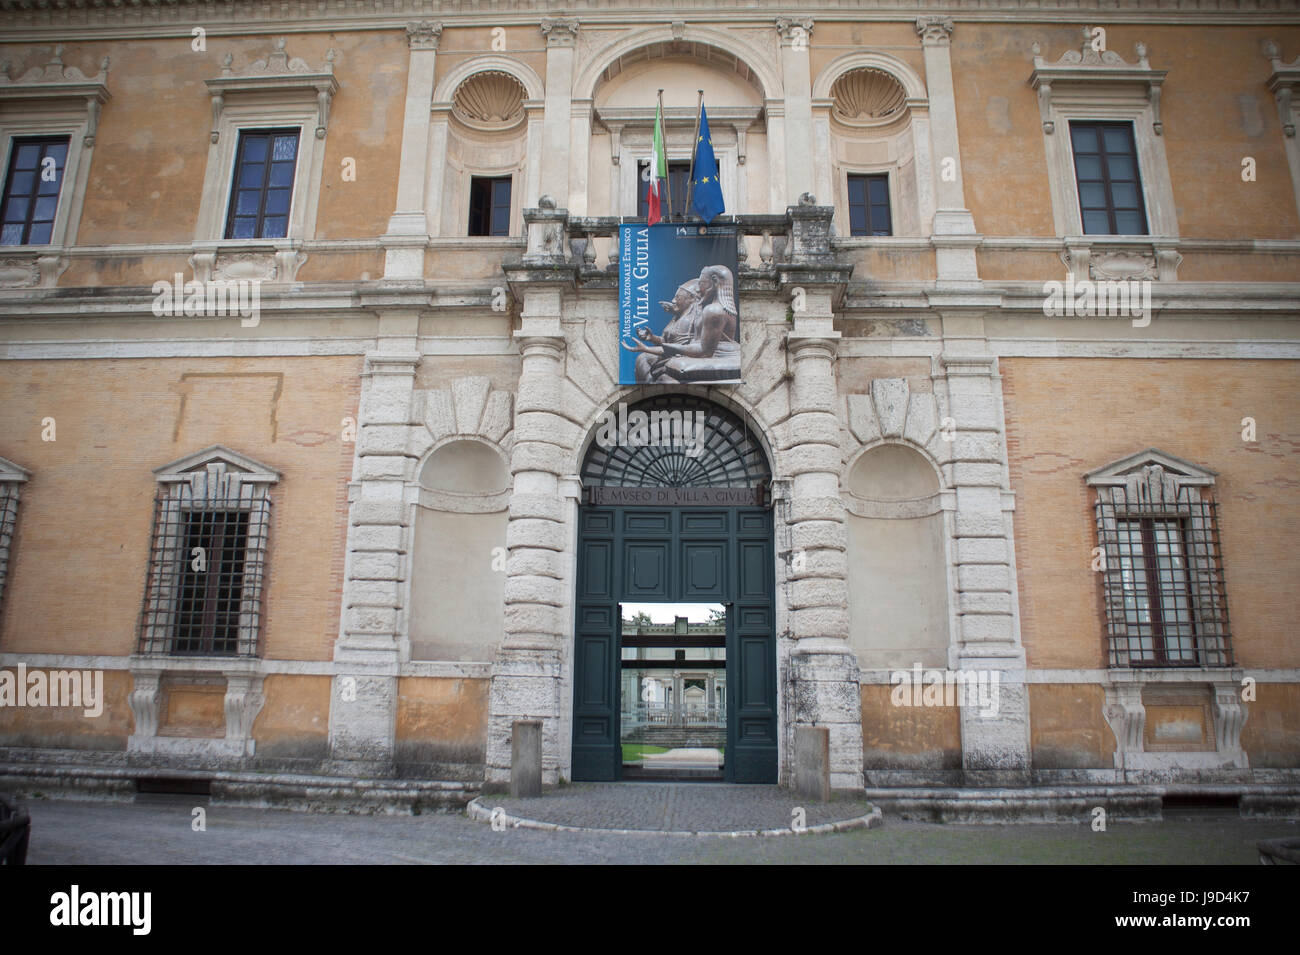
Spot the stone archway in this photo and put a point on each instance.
(673, 512)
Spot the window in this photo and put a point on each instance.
(869, 205)
(489, 205)
(679, 178)
(12, 478)
(261, 193)
(1106, 170)
(31, 192)
(207, 564)
(1161, 565)
(1155, 590)
(212, 581)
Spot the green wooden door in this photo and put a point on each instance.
(680, 555)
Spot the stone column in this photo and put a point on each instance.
(995, 748)
(561, 38)
(526, 677)
(796, 80)
(954, 227)
(363, 706)
(408, 229)
(824, 670)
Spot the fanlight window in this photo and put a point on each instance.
(674, 441)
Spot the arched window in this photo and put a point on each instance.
(675, 440)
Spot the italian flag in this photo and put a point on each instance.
(658, 172)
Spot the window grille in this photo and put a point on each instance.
(1166, 604)
(207, 566)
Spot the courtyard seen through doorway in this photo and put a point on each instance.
(673, 690)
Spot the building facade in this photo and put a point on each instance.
(309, 318)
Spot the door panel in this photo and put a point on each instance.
(722, 554)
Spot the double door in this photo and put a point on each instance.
(722, 557)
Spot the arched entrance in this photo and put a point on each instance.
(674, 517)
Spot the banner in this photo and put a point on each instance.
(679, 320)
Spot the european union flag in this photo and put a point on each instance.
(706, 195)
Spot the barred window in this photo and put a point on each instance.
(12, 478)
(1162, 567)
(208, 560)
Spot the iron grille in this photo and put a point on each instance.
(705, 445)
(1166, 605)
(206, 573)
(8, 518)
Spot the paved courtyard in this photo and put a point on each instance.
(160, 832)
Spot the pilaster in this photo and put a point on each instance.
(363, 707)
(972, 445)
(953, 227)
(561, 41)
(409, 228)
(796, 81)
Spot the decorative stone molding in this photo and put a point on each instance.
(12, 478)
(892, 412)
(678, 28)
(1112, 261)
(54, 82)
(1125, 712)
(19, 272)
(1091, 86)
(424, 35)
(1229, 718)
(291, 78)
(242, 703)
(1126, 717)
(1089, 73)
(210, 263)
(490, 100)
(560, 31)
(867, 97)
(214, 477)
(794, 29)
(470, 408)
(144, 699)
(1282, 83)
(244, 699)
(934, 31)
(547, 228)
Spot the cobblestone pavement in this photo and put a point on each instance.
(159, 832)
(683, 807)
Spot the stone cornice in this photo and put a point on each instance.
(67, 20)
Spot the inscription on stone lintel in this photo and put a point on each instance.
(677, 496)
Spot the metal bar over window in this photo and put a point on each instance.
(206, 572)
(1166, 604)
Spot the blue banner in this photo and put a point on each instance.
(679, 316)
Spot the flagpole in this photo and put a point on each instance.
(668, 179)
(695, 145)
